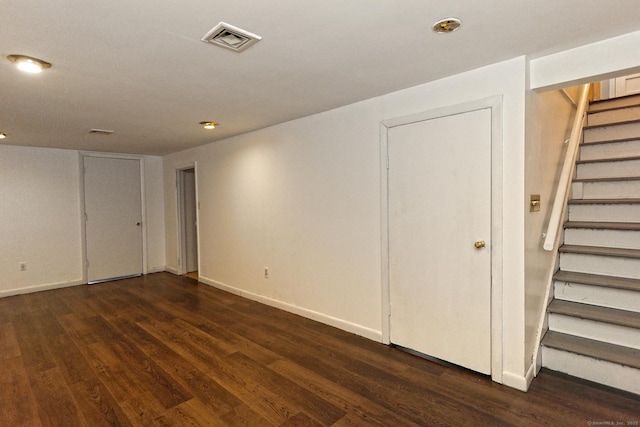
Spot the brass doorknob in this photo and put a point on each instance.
(479, 244)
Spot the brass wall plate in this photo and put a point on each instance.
(534, 204)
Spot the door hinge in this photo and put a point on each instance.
(387, 162)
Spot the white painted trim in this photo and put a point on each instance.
(159, 269)
(182, 267)
(171, 270)
(301, 311)
(40, 288)
(518, 381)
(384, 224)
(143, 212)
(495, 104)
(83, 219)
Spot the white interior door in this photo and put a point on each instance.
(439, 206)
(627, 85)
(113, 207)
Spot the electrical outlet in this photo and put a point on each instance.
(266, 272)
(23, 266)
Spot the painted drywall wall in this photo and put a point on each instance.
(40, 218)
(549, 121)
(154, 212)
(303, 199)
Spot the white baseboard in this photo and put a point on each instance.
(156, 270)
(518, 381)
(171, 270)
(309, 314)
(39, 288)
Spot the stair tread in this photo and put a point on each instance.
(626, 178)
(598, 280)
(596, 313)
(600, 250)
(596, 349)
(600, 103)
(608, 160)
(630, 226)
(604, 125)
(614, 108)
(604, 201)
(610, 141)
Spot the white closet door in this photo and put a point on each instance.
(439, 202)
(113, 208)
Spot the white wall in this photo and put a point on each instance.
(154, 211)
(549, 120)
(40, 218)
(303, 198)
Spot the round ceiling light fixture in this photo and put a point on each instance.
(29, 64)
(209, 125)
(446, 26)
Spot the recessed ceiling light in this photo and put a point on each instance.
(445, 26)
(209, 125)
(28, 64)
(3, 135)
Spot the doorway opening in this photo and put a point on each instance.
(188, 259)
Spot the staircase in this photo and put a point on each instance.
(594, 317)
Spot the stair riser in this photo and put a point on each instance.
(607, 133)
(613, 116)
(598, 264)
(602, 238)
(619, 169)
(606, 190)
(615, 103)
(621, 299)
(600, 331)
(612, 213)
(599, 371)
(613, 150)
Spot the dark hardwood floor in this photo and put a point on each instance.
(165, 350)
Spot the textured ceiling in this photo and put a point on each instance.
(140, 69)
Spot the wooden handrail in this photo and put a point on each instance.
(555, 220)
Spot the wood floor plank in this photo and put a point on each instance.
(142, 409)
(56, 406)
(359, 408)
(204, 388)
(9, 347)
(166, 350)
(97, 406)
(17, 402)
(190, 413)
(244, 416)
(36, 355)
(312, 404)
(301, 420)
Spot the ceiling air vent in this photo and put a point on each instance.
(231, 37)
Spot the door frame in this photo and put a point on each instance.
(495, 104)
(83, 226)
(180, 219)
